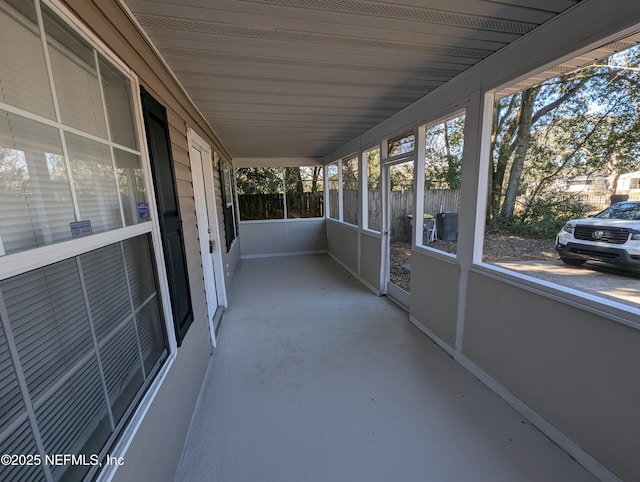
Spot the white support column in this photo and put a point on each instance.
(418, 176)
(384, 227)
(472, 212)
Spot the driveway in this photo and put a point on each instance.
(595, 278)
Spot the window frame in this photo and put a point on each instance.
(421, 163)
(28, 260)
(285, 198)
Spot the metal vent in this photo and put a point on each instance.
(305, 37)
(252, 60)
(408, 13)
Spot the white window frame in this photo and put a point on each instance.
(24, 261)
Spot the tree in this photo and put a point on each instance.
(584, 122)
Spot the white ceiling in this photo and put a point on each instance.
(299, 78)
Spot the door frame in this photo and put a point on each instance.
(208, 228)
(395, 292)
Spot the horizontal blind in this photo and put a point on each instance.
(51, 331)
(75, 77)
(10, 398)
(117, 95)
(95, 183)
(20, 441)
(35, 197)
(133, 190)
(74, 420)
(25, 84)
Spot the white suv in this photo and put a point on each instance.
(612, 236)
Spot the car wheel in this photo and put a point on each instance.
(573, 261)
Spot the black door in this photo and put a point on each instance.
(164, 180)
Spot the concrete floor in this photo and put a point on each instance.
(317, 379)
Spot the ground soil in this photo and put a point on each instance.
(498, 247)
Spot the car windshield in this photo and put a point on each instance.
(629, 211)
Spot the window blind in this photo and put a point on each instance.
(25, 84)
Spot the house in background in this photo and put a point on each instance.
(121, 124)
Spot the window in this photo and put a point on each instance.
(402, 144)
(88, 341)
(442, 181)
(230, 222)
(265, 192)
(82, 337)
(560, 149)
(374, 189)
(334, 191)
(46, 197)
(304, 190)
(350, 199)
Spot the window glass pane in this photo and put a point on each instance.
(145, 298)
(334, 184)
(60, 318)
(562, 151)
(133, 189)
(95, 183)
(374, 190)
(51, 327)
(117, 96)
(24, 82)
(305, 192)
(35, 198)
(75, 77)
(350, 199)
(228, 209)
(260, 193)
(442, 181)
(402, 144)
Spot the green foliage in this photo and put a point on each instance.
(544, 216)
(259, 180)
(583, 123)
(443, 154)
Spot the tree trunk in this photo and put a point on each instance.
(500, 160)
(614, 175)
(522, 146)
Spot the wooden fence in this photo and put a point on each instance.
(271, 206)
(400, 205)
